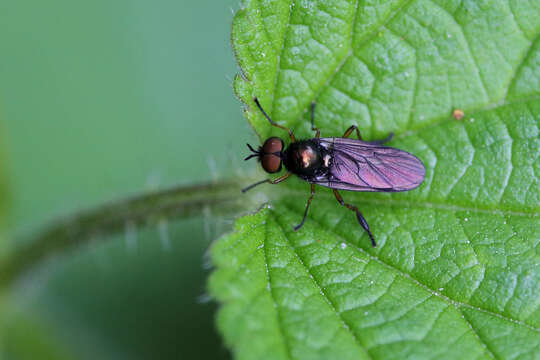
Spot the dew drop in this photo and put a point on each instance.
(343, 245)
(466, 219)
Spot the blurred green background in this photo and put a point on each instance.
(98, 101)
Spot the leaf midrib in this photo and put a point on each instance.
(436, 205)
(273, 296)
(390, 202)
(321, 289)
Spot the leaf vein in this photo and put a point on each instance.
(467, 48)
(477, 334)
(322, 291)
(351, 49)
(521, 64)
(387, 202)
(280, 54)
(271, 291)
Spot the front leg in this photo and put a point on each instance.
(272, 122)
(275, 181)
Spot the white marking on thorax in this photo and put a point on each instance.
(326, 160)
(307, 156)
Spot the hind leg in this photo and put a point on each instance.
(376, 142)
(359, 216)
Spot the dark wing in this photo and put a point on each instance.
(361, 166)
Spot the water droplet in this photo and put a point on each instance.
(343, 245)
(466, 219)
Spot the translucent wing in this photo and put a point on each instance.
(361, 166)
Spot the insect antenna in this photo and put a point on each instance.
(256, 153)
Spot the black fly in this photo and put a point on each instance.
(339, 164)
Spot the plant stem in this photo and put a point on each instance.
(178, 202)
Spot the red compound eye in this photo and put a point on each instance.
(272, 145)
(271, 163)
(270, 154)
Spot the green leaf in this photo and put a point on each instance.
(455, 274)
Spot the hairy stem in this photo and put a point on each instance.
(179, 202)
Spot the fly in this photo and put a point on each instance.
(339, 163)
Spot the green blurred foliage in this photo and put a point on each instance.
(103, 99)
(100, 100)
(139, 296)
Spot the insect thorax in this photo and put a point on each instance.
(306, 158)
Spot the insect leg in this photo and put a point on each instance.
(307, 208)
(375, 142)
(359, 216)
(273, 123)
(275, 181)
(350, 130)
(318, 132)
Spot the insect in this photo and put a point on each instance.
(339, 163)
